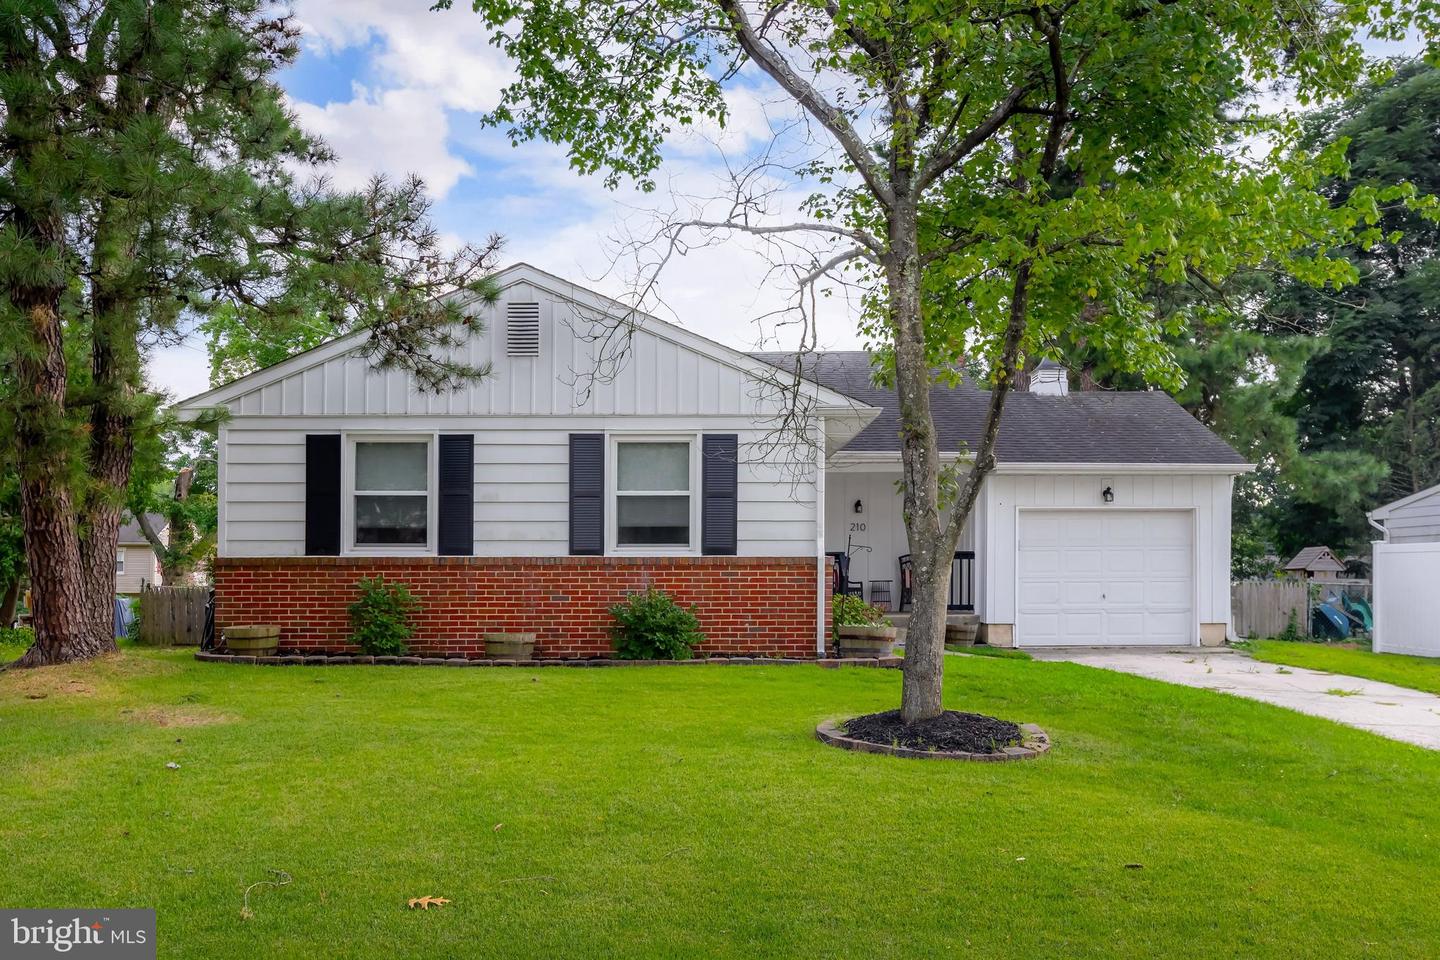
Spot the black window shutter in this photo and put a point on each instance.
(719, 489)
(587, 494)
(322, 494)
(457, 495)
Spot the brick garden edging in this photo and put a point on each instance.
(1036, 742)
(339, 660)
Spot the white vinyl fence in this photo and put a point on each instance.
(1407, 598)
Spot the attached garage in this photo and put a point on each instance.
(1106, 577)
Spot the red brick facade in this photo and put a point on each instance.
(759, 606)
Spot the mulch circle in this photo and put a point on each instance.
(951, 736)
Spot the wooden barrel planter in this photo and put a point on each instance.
(510, 646)
(961, 632)
(865, 641)
(260, 640)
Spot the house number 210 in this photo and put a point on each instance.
(858, 527)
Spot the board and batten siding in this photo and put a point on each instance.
(1415, 522)
(1206, 495)
(658, 375)
(521, 417)
(876, 537)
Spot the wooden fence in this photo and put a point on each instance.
(173, 615)
(1263, 608)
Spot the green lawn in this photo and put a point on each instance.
(1418, 673)
(687, 811)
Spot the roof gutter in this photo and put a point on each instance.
(1230, 469)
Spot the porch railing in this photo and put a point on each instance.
(961, 595)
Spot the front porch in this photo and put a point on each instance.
(865, 537)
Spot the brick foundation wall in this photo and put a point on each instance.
(759, 606)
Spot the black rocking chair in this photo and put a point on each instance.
(840, 570)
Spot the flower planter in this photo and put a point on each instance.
(961, 632)
(865, 641)
(510, 646)
(260, 640)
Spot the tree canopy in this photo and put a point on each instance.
(997, 178)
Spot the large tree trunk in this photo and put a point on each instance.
(931, 543)
(65, 627)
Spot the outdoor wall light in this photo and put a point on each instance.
(859, 506)
(1108, 495)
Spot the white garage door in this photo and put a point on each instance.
(1105, 577)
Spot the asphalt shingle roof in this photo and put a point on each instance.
(1083, 427)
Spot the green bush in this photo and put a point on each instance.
(14, 642)
(380, 619)
(652, 626)
(848, 611)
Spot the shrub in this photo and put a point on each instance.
(652, 626)
(380, 619)
(14, 642)
(848, 611)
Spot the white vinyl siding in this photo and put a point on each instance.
(1415, 522)
(521, 418)
(141, 568)
(522, 483)
(1205, 496)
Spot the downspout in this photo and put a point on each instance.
(1378, 526)
(821, 571)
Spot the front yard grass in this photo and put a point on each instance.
(688, 811)
(1417, 673)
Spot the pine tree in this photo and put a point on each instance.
(146, 158)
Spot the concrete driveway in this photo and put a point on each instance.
(1395, 712)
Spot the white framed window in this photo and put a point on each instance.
(119, 561)
(653, 494)
(389, 504)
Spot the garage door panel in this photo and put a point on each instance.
(1044, 532)
(1125, 593)
(1038, 562)
(1081, 624)
(1080, 528)
(1105, 578)
(1045, 627)
(1125, 627)
(1125, 560)
(1130, 530)
(1081, 593)
(1082, 562)
(1165, 561)
(1172, 629)
(1168, 593)
(1167, 526)
(1040, 595)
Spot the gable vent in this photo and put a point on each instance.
(522, 329)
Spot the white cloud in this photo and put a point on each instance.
(392, 131)
(445, 52)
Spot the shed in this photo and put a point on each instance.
(1314, 562)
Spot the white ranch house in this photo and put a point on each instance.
(534, 499)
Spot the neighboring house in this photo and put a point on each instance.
(135, 562)
(535, 500)
(1315, 562)
(1405, 569)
